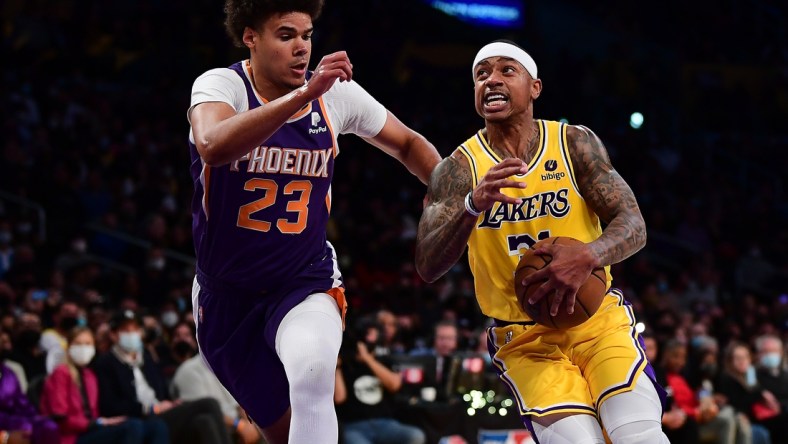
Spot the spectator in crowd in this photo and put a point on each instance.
(154, 340)
(739, 387)
(363, 388)
(704, 377)
(771, 368)
(70, 396)
(19, 419)
(26, 348)
(443, 348)
(679, 418)
(182, 347)
(188, 422)
(194, 380)
(390, 342)
(53, 340)
(6, 350)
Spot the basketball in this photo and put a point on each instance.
(589, 295)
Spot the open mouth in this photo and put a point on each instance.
(495, 99)
(299, 68)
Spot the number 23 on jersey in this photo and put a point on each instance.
(270, 188)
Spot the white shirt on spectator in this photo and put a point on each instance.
(194, 380)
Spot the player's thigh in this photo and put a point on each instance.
(231, 335)
(542, 378)
(608, 351)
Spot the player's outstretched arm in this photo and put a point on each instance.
(609, 197)
(445, 226)
(407, 146)
(222, 136)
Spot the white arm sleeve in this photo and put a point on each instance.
(219, 85)
(354, 110)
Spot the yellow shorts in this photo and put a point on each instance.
(570, 371)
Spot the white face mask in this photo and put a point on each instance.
(130, 341)
(169, 319)
(81, 354)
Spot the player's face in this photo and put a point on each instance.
(280, 51)
(503, 88)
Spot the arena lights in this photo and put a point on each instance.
(494, 13)
(640, 327)
(636, 120)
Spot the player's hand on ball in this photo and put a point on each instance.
(331, 67)
(488, 191)
(568, 270)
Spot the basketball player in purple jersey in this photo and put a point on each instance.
(268, 295)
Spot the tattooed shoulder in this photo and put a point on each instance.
(451, 178)
(585, 148)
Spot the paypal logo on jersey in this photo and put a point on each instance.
(315, 120)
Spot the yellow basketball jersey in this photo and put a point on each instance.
(551, 206)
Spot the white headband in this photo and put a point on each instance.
(502, 49)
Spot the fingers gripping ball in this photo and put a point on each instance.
(589, 295)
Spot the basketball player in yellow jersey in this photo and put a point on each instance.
(519, 180)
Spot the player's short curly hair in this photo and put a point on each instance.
(252, 13)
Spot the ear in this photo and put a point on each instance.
(250, 37)
(536, 89)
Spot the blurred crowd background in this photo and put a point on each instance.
(95, 188)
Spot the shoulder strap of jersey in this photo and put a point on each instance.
(463, 149)
(567, 157)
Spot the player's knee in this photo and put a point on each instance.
(568, 429)
(638, 432)
(314, 368)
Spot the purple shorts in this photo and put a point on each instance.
(236, 331)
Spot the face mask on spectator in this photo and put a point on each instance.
(130, 341)
(81, 354)
(68, 322)
(771, 360)
(183, 349)
(169, 319)
(152, 333)
(750, 377)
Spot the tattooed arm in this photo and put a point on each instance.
(608, 195)
(445, 226)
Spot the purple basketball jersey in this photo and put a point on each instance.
(260, 222)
